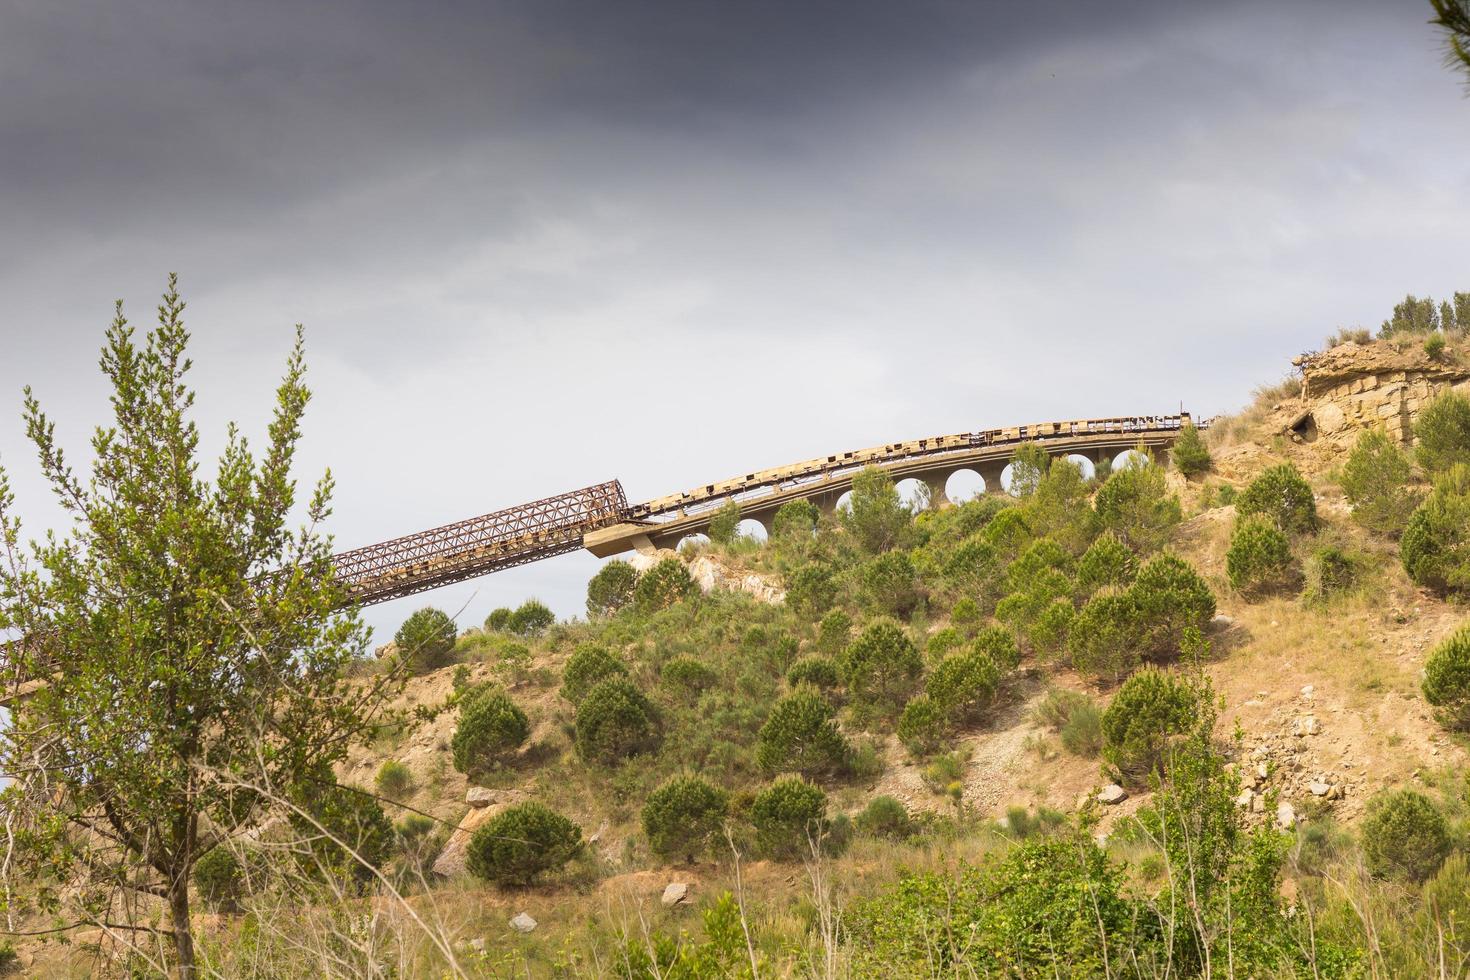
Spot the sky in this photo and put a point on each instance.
(537, 245)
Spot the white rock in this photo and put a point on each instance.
(1285, 815)
(1222, 621)
(1307, 690)
(675, 893)
(1245, 798)
(1112, 793)
(523, 923)
(1261, 771)
(1319, 788)
(478, 796)
(1308, 725)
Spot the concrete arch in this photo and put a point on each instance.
(753, 528)
(963, 485)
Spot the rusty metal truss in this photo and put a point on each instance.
(480, 545)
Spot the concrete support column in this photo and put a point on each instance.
(937, 497)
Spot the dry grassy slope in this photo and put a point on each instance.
(1361, 660)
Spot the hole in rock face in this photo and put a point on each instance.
(1305, 428)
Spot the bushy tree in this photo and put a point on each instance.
(1170, 597)
(1405, 836)
(531, 618)
(885, 817)
(819, 672)
(788, 816)
(1435, 547)
(663, 585)
(875, 516)
(499, 620)
(1106, 637)
(589, 665)
(1375, 480)
(799, 735)
(794, 522)
(614, 721)
(1008, 534)
(1135, 504)
(963, 684)
(610, 589)
(344, 830)
(922, 726)
(974, 569)
(811, 589)
(1107, 563)
(522, 843)
(1443, 432)
(890, 585)
(881, 665)
(1411, 315)
(1282, 494)
(689, 675)
(426, 640)
(1259, 558)
(1149, 710)
(1028, 467)
(187, 635)
(725, 525)
(684, 816)
(1447, 680)
(998, 645)
(834, 632)
(1060, 509)
(491, 727)
(1190, 454)
(220, 880)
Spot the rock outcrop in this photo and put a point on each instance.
(1355, 386)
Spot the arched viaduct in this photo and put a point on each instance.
(600, 519)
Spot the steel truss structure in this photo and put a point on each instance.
(481, 545)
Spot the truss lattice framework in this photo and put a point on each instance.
(480, 545)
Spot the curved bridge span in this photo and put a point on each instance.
(600, 519)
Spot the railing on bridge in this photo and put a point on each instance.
(480, 545)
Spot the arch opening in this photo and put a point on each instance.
(844, 502)
(692, 543)
(1127, 458)
(1083, 463)
(752, 529)
(914, 494)
(964, 485)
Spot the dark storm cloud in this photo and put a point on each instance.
(539, 244)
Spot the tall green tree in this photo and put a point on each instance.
(189, 643)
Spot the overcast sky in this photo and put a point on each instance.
(542, 244)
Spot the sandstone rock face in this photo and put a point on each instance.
(711, 575)
(452, 860)
(1354, 386)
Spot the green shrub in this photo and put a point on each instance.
(795, 521)
(663, 585)
(1048, 632)
(974, 567)
(1023, 824)
(725, 525)
(1030, 464)
(922, 726)
(688, 674)
(1106, 636)
(1107, 563)
(788, 816)
(942, 642)
(999, 645)
(811, 589)
(394, 779)
(885, 817)
(610, 589)
(587, 667)
(461, 678)
(1061, 508)
(819, 672)
(684, 817)
(1447, 681)
(1007, 535)
(518, 845)
(1075, 717)
(881, 665)
(1282, 494)
(1259, 559)
(426, 639)
(1447, 903)
(220, 879)
(963, 685)
(1190, 454)
(345, 830)
(491, 727)
(834, 633)
(1443, 433)
(1135, 504)
(1330, 572)
(1170, 597)
(800, 736)
(531, 618)
(1375, 480)
(1148, 712)
(1435, 547)
(614, 721)
(875, 516)
(1405, 836)
(965, 613)
(889, 584)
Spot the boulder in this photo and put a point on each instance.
(453, 858)
(1112, 793)
(1319, 788)
(1285, 815)
(523, 923)
(478, 796)
(676, 893)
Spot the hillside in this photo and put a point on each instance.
(992, 616)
